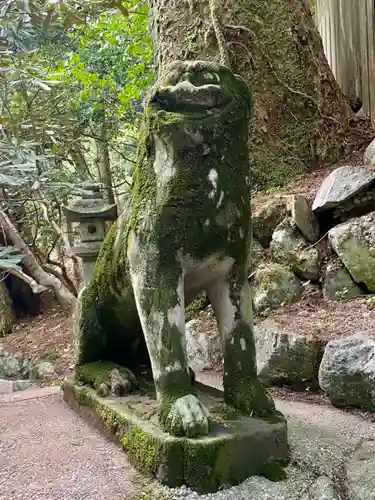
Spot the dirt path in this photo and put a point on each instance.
(48, 453)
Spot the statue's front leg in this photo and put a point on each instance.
(159, 295)
(231, 301)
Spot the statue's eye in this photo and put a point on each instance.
(199, 78)
(209, 77)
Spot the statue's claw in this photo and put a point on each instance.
(187, 417)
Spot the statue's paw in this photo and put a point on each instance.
(187, 417)
(103, 390)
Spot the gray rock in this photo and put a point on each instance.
(360, 472)
(274, 286)
(369, 156)
(43, 370)
(13, 365)
(347, 372)
(22, 385)
(266, 217)
(354, 242)
(6, 386)
(285, 357)
(311, 290)
(323, 489)
(303, 216)
(288, 247)
(203, 342)
(342, 184)
(338, 284)
(10, 365)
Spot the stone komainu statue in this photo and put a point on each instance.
(187, 229)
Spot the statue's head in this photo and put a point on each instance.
(199, 90)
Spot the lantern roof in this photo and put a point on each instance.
(90, 205)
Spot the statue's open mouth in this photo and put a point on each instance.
(186, 98)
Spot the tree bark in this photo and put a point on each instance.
(34, 285)
(65, 298)
(301, 116)
(6, 310)
(104, 165)
(66, 248)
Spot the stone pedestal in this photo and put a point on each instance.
(236, 448)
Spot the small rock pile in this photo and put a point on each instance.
(18, 372)
(343, 368)
(329, 243)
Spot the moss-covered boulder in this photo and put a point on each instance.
(6, 311)
(288, 247)
(285, 357)
(354, 243)
(338, 284)
(275, 285)
(347, 372)
(267, 215)
(13, 365)
(304, 218)
(343, 184)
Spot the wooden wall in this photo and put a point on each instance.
(347, 28)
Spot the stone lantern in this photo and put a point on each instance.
(91, 212)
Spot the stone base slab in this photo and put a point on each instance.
(236, 448)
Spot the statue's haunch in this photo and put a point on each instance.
(187, 229)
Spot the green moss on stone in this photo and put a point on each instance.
(142, 448)
(268, 277)
(113, 421)
(224, 412)
(273, 470)
(160, 456)
(94, 374)
(205, 468)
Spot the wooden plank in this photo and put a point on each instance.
(371, 58)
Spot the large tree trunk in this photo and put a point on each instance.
(301, 117)
(105, 166)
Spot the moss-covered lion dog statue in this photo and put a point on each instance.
(187, 229)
